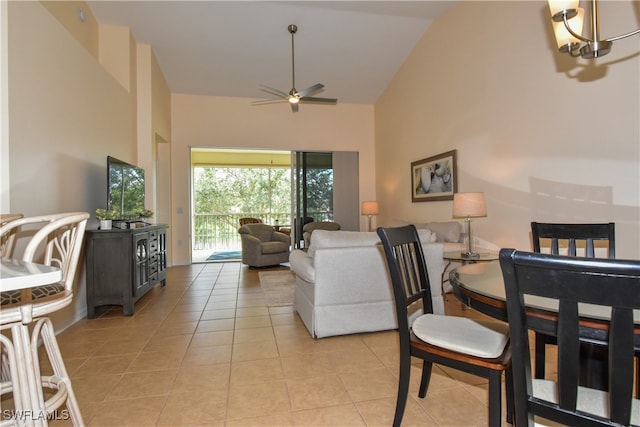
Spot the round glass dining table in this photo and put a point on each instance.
(481, 287)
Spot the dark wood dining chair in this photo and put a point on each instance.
(572, 240)
(614, 286)
(456, 342)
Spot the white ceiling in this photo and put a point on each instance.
(229, 48)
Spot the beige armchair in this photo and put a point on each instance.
(263, 246)
(308, 228)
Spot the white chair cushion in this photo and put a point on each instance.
(461, 334)
(589, 400)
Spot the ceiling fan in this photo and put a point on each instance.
(295, 97)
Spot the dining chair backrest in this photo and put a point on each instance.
(575, 236)
(612, 284)
(409, 276)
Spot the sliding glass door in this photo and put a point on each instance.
(324, 188)
(312, 189)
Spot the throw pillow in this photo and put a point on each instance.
(448, 231)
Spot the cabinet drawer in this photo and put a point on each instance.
(153, 235)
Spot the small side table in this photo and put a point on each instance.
(456, 256)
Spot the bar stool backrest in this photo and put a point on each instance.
(54, 240)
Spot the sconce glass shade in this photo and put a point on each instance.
(558, 7)
(370, 208)
(565, 15)
(469, 205)
(564, 38)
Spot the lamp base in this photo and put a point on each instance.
(469, 255)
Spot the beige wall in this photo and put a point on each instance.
(545, 138)
(66, 113)
(68, 14)
(62, 110)
(5, 178)
(201, 121)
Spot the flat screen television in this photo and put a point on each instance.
(125, 188)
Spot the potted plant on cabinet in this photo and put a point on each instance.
(105, 217)
(144, 214)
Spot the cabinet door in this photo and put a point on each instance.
(162, 252)
(153, 256)
(141, 262)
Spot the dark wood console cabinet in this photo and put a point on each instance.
(122, 265)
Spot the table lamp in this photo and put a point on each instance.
(370, 208)
(469, 205)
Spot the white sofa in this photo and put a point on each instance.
(343, 286)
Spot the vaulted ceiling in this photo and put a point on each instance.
(229, 48)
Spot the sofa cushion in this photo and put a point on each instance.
(351, 239)
(321, 239)
(448, 231)
(445, 231)
(321, 225)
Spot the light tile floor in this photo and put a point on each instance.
(206, 351)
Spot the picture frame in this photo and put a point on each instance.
(434, 178)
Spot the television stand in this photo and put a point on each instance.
(123, 265)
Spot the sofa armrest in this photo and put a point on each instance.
(302, 265)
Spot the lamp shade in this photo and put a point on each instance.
(469, 205)
(370, 208)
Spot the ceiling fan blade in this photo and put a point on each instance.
(294, 96)
(309, 99)
(311, 90)
(275, 92)
(268, 101)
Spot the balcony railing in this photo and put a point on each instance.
(220, 231)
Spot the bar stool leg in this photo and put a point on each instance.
(60, 379)
(25, 379)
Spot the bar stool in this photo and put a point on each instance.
(6, 242)
(53, 240)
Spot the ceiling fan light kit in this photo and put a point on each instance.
(294, 97)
